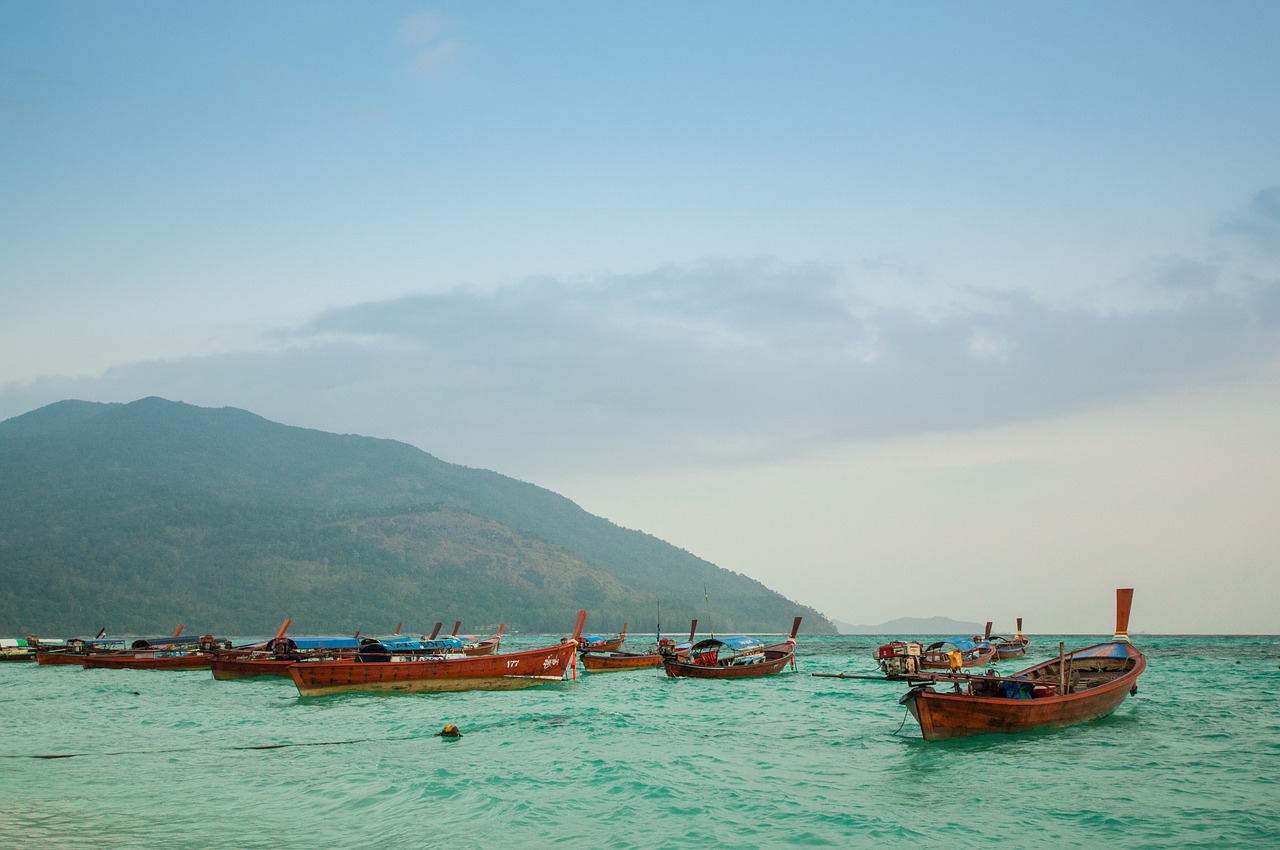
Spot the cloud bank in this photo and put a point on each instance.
(724, 361)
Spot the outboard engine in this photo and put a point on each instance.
(900, 658)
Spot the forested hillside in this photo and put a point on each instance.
(138, 516)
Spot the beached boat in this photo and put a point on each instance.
(603, 643)
(420, 672)
(1077, 686)
(733, 657)
(956, 654)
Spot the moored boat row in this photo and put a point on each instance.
(946, 699)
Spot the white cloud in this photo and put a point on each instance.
(422, 28)
(723, 361)
(433, 52)
(430, 62)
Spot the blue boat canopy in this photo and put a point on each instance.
(738, 643)
(443, 644)
(962, 644)
(304, 643)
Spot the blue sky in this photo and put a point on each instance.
(912, 293)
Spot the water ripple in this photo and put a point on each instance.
(635, 760)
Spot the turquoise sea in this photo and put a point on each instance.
(125, 759)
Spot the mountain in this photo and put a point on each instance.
(138, 516)
(915, 626)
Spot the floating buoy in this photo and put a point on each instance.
(450, 733)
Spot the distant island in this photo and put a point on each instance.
(943, 626)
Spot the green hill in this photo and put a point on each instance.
(138, 516)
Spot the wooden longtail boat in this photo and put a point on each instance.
(1077, 686)
(283, 653)
(955, 654)
(1007, 648)
(473, 645)
(77, 648)
(602, 643)
(605, 662)
(173, 653)
(419, 673)
(274, 657)
(733, 657)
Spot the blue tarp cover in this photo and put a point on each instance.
(1017, 690)
(962, 644)
(324, 642)
(418, 645)
(738, 643)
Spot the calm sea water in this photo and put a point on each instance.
(618, 760)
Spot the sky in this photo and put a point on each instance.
(905, 310)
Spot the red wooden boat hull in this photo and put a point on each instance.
(1079, 686)
(488, 646)
(505, 671)
(611, 645)
(948, 715)
(59, 658)
(192, 661)
(1011, 650)
(245, 668)
(598, 662)
(775, 661)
